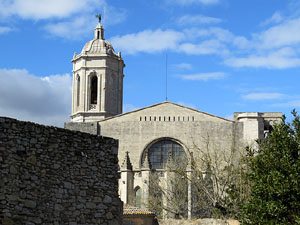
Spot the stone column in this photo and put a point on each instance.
(146, 172)
(189, 177)
(126, 182)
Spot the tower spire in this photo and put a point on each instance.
(126, 165)
(99, 31)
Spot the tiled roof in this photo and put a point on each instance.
(131, 210)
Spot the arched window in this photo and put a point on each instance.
(160, 151)
(138, 197)
(78, 90)
(94, 88)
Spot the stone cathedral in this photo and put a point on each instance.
(149, 136)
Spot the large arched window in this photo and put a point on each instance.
(159, 153)
(94, 88)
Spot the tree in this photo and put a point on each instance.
(215, 179)
(275, 177)
(168, 190)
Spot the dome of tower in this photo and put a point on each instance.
(98, 46)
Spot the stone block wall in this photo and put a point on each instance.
(56, 176)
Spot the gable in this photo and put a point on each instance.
(166, 111)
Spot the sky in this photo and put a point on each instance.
(220, 56)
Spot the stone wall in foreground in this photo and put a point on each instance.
(50, 175)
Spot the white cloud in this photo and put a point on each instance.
(4, 29)
(197, 19)
(290, 104)
(189, 2)
(129, 108)
(284, 34)
(83, 25)
(113, 15)
(74, 19)
(45, 9)
(209, 33)
(190, 105)
(203, 76)
(182, 66)
(275, 18)
(203, 48)
(45, 100)
(280, 59)
(152, 41)
(147, 41)
(242, 42)
(263, 96)
(274, 48)
(75, 29)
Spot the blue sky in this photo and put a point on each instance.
(224, 56)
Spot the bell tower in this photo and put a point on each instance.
(97, 90)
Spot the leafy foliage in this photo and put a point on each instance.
(275, 177)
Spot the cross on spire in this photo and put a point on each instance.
(99, 17)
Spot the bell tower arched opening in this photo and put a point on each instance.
(94, 89)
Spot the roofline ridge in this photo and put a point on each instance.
(160, 103)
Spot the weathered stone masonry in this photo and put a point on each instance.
(51, 175)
